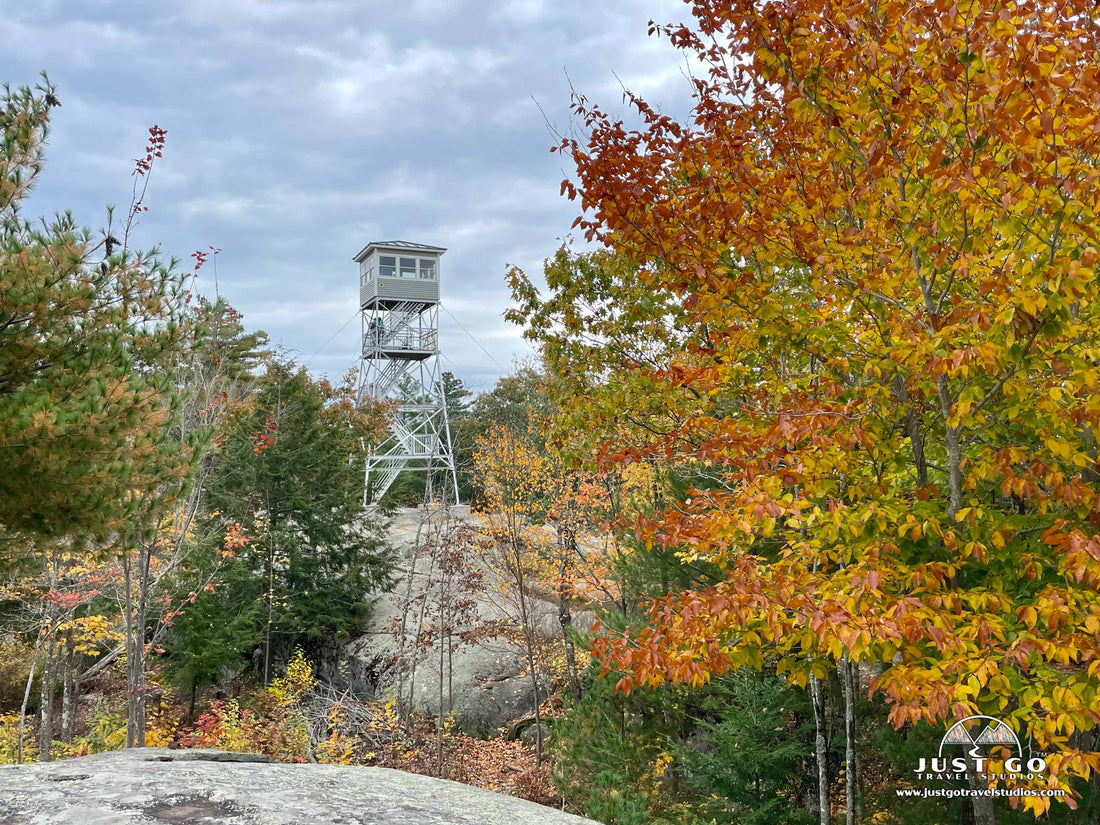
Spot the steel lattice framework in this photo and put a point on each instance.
(399, 307)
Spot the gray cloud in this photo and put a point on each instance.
(300, 131)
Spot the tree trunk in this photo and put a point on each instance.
(833, 693)
(104, 661)
(135, 682)
(450, 673)
(849, 673)
(45, 712)
(444, 584)
(916, 440)
(416, 636)
(71, 694)
(953, 443)
(137, 587)
(982, 805)
(565, 616)
(442, 653)
(912, 428)
(1092, 812)
(529, 637)
(445, 619)
(821, 750)
(27, 696)
(270, 600)
(566, 619)
(404, 666)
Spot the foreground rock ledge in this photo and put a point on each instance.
(155, 786)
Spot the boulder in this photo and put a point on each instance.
(529, 735)
(486, 683)
(157, 786)
(485, 711)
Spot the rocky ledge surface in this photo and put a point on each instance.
(157, 786)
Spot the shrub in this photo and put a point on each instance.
(15, 666)
(225, 726)
(9, 740)
(275, 724)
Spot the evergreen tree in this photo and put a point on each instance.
(757, 737)
(290, 477)
(463, 433)
(88, 332)
(219, 628)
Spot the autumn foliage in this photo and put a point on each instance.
(880, 225)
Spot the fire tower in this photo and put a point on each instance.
(399, 304)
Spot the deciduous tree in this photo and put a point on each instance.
(518, 485)
(880, 223)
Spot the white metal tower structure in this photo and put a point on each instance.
(399, 305)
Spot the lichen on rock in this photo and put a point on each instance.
(148, 786)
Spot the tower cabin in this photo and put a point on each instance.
(398, 284)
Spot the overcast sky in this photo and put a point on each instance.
(300, 130)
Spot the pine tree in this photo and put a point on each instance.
(86, 329)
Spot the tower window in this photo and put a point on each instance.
(408, 267)
(387, 266)
(427, 268)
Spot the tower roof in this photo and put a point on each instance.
(396, 246)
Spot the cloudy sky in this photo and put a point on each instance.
(300, 130)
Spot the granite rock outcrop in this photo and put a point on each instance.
(158, 786)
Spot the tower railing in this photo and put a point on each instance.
(380, 340)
